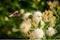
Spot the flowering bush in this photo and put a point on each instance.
(33, 19)
(37, 24)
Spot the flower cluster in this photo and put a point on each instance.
(36, 27)
(53, 4)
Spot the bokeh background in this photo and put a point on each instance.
(9, 26)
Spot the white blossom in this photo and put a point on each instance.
(26, 15)
(51, 31)
(25, 27)
(38, 33)
(37, 16)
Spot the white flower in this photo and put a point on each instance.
(51, 31)
(42, 23)
(26, 15)
(38, 33)
(25, 27)
(37, 16)
(6, 18)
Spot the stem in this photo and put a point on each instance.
(50, 37)
(25, 36)
(56, 15)
(44, 38)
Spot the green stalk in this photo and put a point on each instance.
(44, 38)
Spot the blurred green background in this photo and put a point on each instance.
(7, 7)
